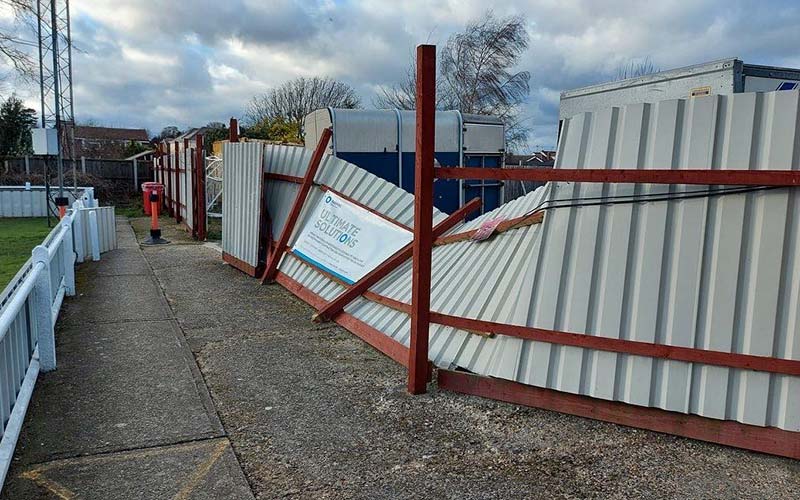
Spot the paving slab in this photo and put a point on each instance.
(197, 470)
(127, 413)
(114, 298)
(125, 236)
(122, 261)
(117, 386)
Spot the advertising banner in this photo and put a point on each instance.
(347, 240)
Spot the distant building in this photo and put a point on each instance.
(107, 142)
(543, 158)
(539, 159)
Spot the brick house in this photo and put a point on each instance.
(107, 142)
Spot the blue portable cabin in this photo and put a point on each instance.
(383, 143)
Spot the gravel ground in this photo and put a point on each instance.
(313, 412)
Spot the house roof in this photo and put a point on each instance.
(111, 133)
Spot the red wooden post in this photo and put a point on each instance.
(308, 180)
(169, 180)
(177, 182)
(423, 220)
(200, 183)
(334, 307)
(233, 130)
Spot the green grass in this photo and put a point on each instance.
(18, 236)
(131, 210)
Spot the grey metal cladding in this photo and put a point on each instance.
(714, 272)
(240, 215)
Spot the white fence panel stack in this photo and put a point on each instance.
(30, 201)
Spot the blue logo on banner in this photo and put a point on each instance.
(328, 199)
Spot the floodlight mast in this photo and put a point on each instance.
(55, 80)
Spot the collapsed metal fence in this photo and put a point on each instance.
(29, 308)
(653, 282)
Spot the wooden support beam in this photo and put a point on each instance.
(308, 181)
(750, 437)
(334, 307)
(423, 220)
(233, 130)
(631, 176)
(200, 182)
(634, 347)
(177, 200)
(506, 225)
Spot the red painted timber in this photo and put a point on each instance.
(283, 177)
(677, 353)
(334, 307)
(704, 177)
(423, 220)
(233, 130)
(239, 264)
(200, 182)
(168, 197)
(762, 439)
(371, 336)
(506, 225)
(308, 180)
(177, 200)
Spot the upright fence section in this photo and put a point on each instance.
(180, 166)
(29, 308)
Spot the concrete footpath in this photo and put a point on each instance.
(126, 414)
(180, 377)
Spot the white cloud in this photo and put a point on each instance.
(159, 62)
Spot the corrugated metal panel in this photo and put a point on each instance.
(240, 215)
(720, 272)
(17, 201)
(187, 193)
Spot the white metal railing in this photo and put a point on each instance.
(29, 307)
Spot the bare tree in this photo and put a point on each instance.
(403, 95)
(293, 100)
(400, 95)
(476, 74)
(12, 48)
(635, 68)
(477, 63)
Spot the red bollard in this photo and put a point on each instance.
(61, 203)
(154, 202)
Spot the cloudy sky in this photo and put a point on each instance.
(152, 63)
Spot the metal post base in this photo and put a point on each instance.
(155, 238)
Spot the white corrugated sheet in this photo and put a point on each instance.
(718, 272)
(19, 201)
(106, 230)
(241, 185)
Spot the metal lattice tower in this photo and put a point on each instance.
(55, 76)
